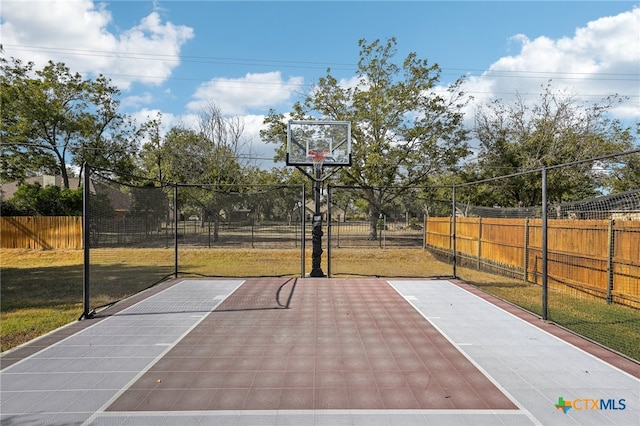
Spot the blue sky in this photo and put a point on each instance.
(246, 57)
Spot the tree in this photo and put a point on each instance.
(626, 176)
(553, 131)
(403, 129)
(625, 172)
(152, 159)
(228, 145)
(56, 119)
(149, 203)
(35, 200)
(210, 155)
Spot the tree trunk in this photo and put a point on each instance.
(216, 226)
(373, 223)
(63, 170)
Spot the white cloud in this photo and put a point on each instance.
(261, 153)
(236, 96)
(352, 83)
(136, 101)
(76, 32)
(143, 115)
(601, 59)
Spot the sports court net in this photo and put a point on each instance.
(141, 232)
(588, 269)
(130, 244)
(364, 220)
(215, 220)
(251, 216)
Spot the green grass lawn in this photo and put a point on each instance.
(41, 290)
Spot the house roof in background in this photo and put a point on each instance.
(7, 190)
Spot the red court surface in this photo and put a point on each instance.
(336, 346)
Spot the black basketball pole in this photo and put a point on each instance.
(310, 143)
(316, 229)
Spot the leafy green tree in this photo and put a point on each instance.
(209, 155)
(403, 129)
(152, 156)
(283, 203)
(625, 175)
(149, 203)
(553, 131)
(52, 119)
(34, 200)
(8, 209)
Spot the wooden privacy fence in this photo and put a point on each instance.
(41, 232)
(596, 257)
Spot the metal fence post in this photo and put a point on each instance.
(526, 251)
(175, 231)
(544, 246)
(453, 231)
(384, 229)
(328, 231)
(611, 252)
(86, 241)
(479, 243)
(424, 231)
(303, 233)
(252, 221)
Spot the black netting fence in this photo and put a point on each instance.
(129, 236)
(214, 221)
(555, 244)
(261, 216)
(139, 232)
(548, 240)
(363, 220)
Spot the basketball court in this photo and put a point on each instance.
(273, 351)
(307, 351)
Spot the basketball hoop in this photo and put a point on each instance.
(319, 144)
(317, 158)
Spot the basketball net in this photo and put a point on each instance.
(317, 158)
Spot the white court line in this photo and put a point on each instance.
(517, 403)
(218, 299)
